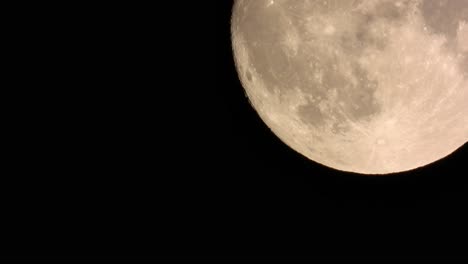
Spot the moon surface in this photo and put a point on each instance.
(366, 86)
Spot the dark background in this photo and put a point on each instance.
(130, 137)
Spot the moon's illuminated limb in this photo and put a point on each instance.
(365, 86)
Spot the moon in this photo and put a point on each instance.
(365, 86)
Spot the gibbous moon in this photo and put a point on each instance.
(366, 86)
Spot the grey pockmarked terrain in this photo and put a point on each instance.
(368, 86)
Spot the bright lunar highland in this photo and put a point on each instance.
(367, 86)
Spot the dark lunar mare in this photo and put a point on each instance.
(442, 16)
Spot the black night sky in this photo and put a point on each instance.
(136, 141)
